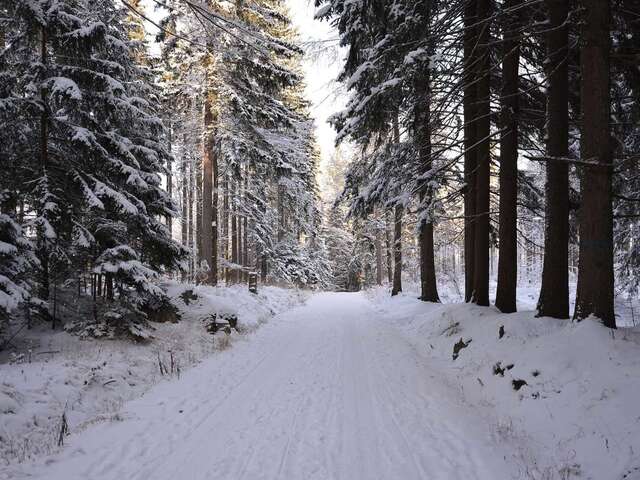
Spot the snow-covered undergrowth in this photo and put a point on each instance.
(562, 397)
(46, 374)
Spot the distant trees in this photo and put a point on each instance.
(255, 179)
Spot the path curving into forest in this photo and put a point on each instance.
(324, 391)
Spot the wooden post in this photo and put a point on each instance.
(253, 282)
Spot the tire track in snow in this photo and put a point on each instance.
(327, 391)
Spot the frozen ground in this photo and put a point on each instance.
(361, 386)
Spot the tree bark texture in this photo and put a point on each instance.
(208, 221)
(595, 293)
(397, 251)
(554, 291)
(483, 157)
(510, 109)
(470, 139)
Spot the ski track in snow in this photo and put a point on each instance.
(325, 391)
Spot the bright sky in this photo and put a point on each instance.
(321, 71)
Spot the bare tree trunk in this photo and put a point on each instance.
(190, 236)
(245, 229)
(234, 235)
(208, 225)
(387, 234)
(94, 297)
(510, 110)
(281, 214)
(215, 215)
(108, 280)
(379, 273)
(170, 176)
(397, 251)
(183, 174)
(470, 139)
(428, 285)
(595, 294)
(225, 226)
(242, 226)
(422, 133)
(240, 245)
(554, 292)
(483, 151)
(198, 229)
(184, 224)
(43, 249)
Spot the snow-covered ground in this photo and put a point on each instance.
(324, 391)
(50, 373)
(578, 414)
(360, 386)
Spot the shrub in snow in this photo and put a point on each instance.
(8, 404)
(115, 322)
(17, 261)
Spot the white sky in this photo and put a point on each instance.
(321, 71)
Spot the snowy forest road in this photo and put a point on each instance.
(324, 391)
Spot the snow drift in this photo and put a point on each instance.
(561, 396)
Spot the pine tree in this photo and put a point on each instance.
(96, 176)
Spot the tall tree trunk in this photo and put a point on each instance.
(483, 158)
(108, 280)
(245, 249)
(208, 224)
(397, 251)
(183, 174)
(234, 234)
(510, 109)
(225, 226)
(379, 272)
(388, 246)
(240, 250)
(190, 235)
(184, 220)
(198, 229)
(215, 229)
(554, 292)
(422, 133)
(428, 286)
(43, 248)
(242, 230)
(470, 139)
(595, 275)
(170, 175)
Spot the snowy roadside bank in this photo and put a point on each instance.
(563, 395)
(51, 373)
